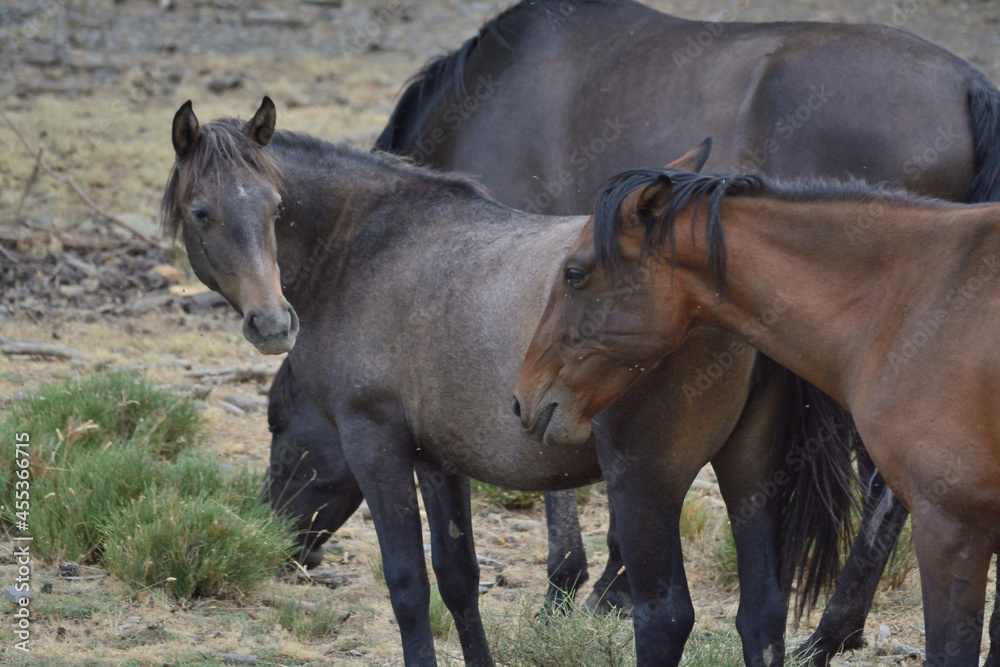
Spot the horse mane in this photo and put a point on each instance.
(222, 146)
(445, 75)
(688, 188)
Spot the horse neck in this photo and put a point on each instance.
(331, 194)
(805, 291)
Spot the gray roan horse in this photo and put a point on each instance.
(550, 99)
(416, 297)
(309, 480)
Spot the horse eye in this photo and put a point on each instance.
(200, 215)
(575, 277)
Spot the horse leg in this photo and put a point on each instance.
(383, 463)
(953, 573)
(612, 590)
(993, 659)
(453, 556)
(648, 527)
(744, 467)
(567, 558)
(843, 619)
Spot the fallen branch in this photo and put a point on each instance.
(113, 219)
(27, 186)
(41, 350)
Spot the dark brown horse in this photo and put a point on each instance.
(417, 297)
(897, 326)
(552, 98)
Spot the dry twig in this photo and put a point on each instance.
(113, 219)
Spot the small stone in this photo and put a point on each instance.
(523, 525)
(148, 303)
(366, 514)
(239, 659)
(221, 84)
(169, 273)
(229, 407)
(246, 404)
(489, 562)
(47, 587)
(69, 570)
(11, 593)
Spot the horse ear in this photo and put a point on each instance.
(186, 132)
(261, 126)
(654, 199)
(695, 158)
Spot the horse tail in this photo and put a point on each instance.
(813, 453)
(984, 115)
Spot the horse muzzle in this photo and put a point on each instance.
(272, 330)
(552, 423)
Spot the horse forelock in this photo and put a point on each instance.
(223, 148)
(686, 188)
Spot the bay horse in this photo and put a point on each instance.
(895, 326)
(551, 98)
(410, 298)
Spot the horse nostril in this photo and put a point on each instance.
(516, 407)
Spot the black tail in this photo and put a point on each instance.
(813, 447)
(984, 114)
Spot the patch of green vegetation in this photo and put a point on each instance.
(377, 568)
(567, 639)
(195, 546)
(442, 622)
(149, 635)
(63, 607)
(304, 626)
(903, 560)
(506, 498)
(114, 480)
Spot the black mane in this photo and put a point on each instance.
(445, 76)
(690, 188)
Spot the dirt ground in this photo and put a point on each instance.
(93, 84)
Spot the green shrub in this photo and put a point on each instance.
(567, 639)
(105, 411)
(196, 546)
(442, 622)
(70, 506)
(506, 498)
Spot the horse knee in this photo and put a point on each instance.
(410, 595)
(458, 585)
